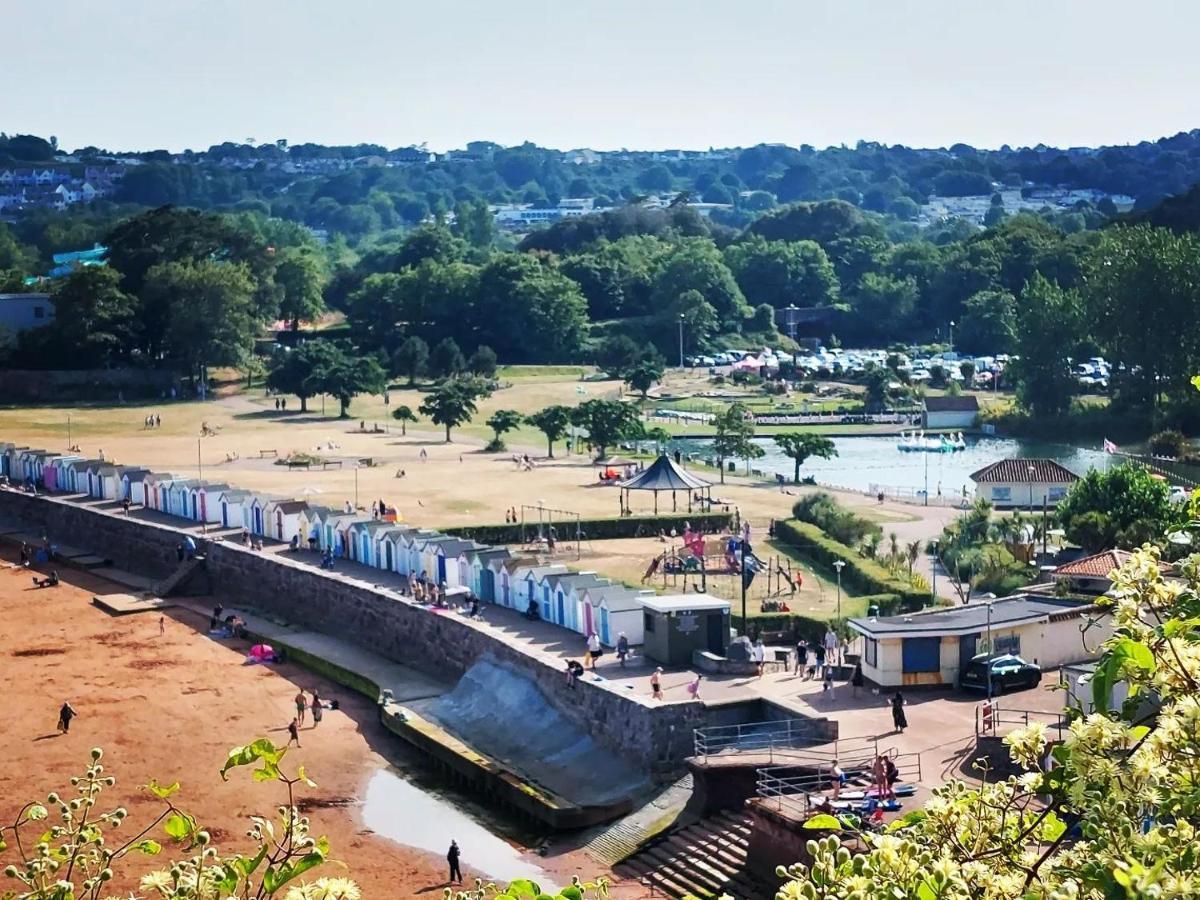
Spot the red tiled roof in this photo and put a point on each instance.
(1045, 471)
(1098, 565)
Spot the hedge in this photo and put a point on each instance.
(598, 529)
(861, 575)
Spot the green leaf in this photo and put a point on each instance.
(1052, 827)
(35, 812)
(571, 893)
(261, 749)
(177, 826)
(149, 847)
(303, 776)
(925, 892)
(523, 887)
(246, 865)
(162, 793)
(823, 821)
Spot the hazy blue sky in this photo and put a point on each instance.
(618, 73)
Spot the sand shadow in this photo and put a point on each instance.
(48, 737)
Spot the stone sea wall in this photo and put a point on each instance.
(654, 736)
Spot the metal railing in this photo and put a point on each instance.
(1003, 720)
(757, 737)
(781, 785)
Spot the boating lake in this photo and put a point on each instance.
(864, 463)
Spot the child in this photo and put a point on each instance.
(656, 684)
(693, 689)
(294, 733)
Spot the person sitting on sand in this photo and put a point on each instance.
(52, 581)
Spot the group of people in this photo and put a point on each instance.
(249, 540)
(523, 462)
(154, 420)
(303, 705)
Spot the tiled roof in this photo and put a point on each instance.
(1098, 565)
(951, 404)
(1045, 471)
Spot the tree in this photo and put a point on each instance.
(800, 446)
(474, 222)
(482, 362)
(643, 374)
(403, 415)
(453, 402)
(697, 265)
(617, 354)
(783, 272)
(1132, 506)
(410, 359)
(699, 319)
(446, 360)
(988, 323)
(735, 436)
(345, 376)
(553, 422)
(93, 319)
(501, 422)
(301, 371)
(884, 304)
(528, 310)
(211, 313)
(1049, 322)
(606, 422)
(1076, 822)
(80, 856)
(300, 278)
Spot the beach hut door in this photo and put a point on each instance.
(604, 626)
(388, 544)
(588, 626)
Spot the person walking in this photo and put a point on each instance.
(294, 732)
(693, 689)
(452, 856)
(856, 680)
(831, 646)
(760, 656)
(65, 714)
(819, 668)
(301, 706)
(162, 625)
(622, 648)
(656, 684)
(317, 709)
(593, 646)
(898, 717)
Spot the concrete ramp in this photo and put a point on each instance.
(503, 714)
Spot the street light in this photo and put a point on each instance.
(933, 546)
(681, 340)
(1031, 470)
(839, 565)
(951, 334)
(989, 649)
(791, 309)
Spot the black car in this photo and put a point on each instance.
(1009, 672)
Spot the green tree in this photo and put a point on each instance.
(403, 415)
(783, 272)
(346, 375)
(884, 304)
(453, 402)
(93, 318)
(446, 360)
(1049, 325)
(988, 323)
(301, 279)
(735, 436)
(1132, 507)
(606, 422)
(301, 371)
(644, 373)
(800, 446)
(617, 354)
(528, 309)
(482, 362)
(501, 422)
(211, 312)
(411, 359)
(699, 317)
(474, 222)
(553, 422)
(696, 264)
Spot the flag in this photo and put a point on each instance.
(751, 564)
(1109, 446)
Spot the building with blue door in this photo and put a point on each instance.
(232, 509)
(932, 647)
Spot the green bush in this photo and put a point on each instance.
(598, 529)
(823, 511)
(860, 575)
(1169, 443)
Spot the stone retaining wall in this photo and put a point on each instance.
(654, 736)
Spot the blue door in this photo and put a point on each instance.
(224, 514)
(487, 585)
(366, 548)
(194, 513)
(562, 610)
(922, 654)
(441, 569)
(388, 545)
(604, 626)
(257, 520)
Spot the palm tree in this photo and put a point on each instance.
(912, 552)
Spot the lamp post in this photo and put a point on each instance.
(69, 444)
(839, 565)
(952, 334)
(926, 455)
(989, 649)
(933, 545)
(791, 309)
(681, 340)
(1031, 487)
(356, 487)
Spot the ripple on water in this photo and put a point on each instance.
(403, 812)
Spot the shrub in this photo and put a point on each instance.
(859, 575)
(1169, 443)
(835, 520)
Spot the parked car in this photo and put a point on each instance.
(1009, 672)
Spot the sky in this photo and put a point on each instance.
(638, 74)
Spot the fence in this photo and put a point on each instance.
(794, 791)
(758, 737)
(1004, 720)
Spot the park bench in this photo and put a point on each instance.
(331, 462)
(367, 462)
(264, 454)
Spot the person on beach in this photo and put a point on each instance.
(838, 777)
(594, 651)
(294, 732)
(162, 625)
(622, 648)
(65, 715)
(898, 717)
(656, 684)
(452, 856)
(301, 706)
(317, 709)
(693, 689)
(51, 581)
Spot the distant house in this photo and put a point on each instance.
(950, 412)
(21, 312)
(1090, 574)
(1024, 483)
(932, 647)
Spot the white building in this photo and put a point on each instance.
(950, 412)
(932, 647)
(1023, 483)
(20, 312)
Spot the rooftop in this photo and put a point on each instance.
(952, 404)
(1101, 565)
(960, 620)
(1022, 471)
(671, 603)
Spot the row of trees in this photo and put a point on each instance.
(734, 439)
